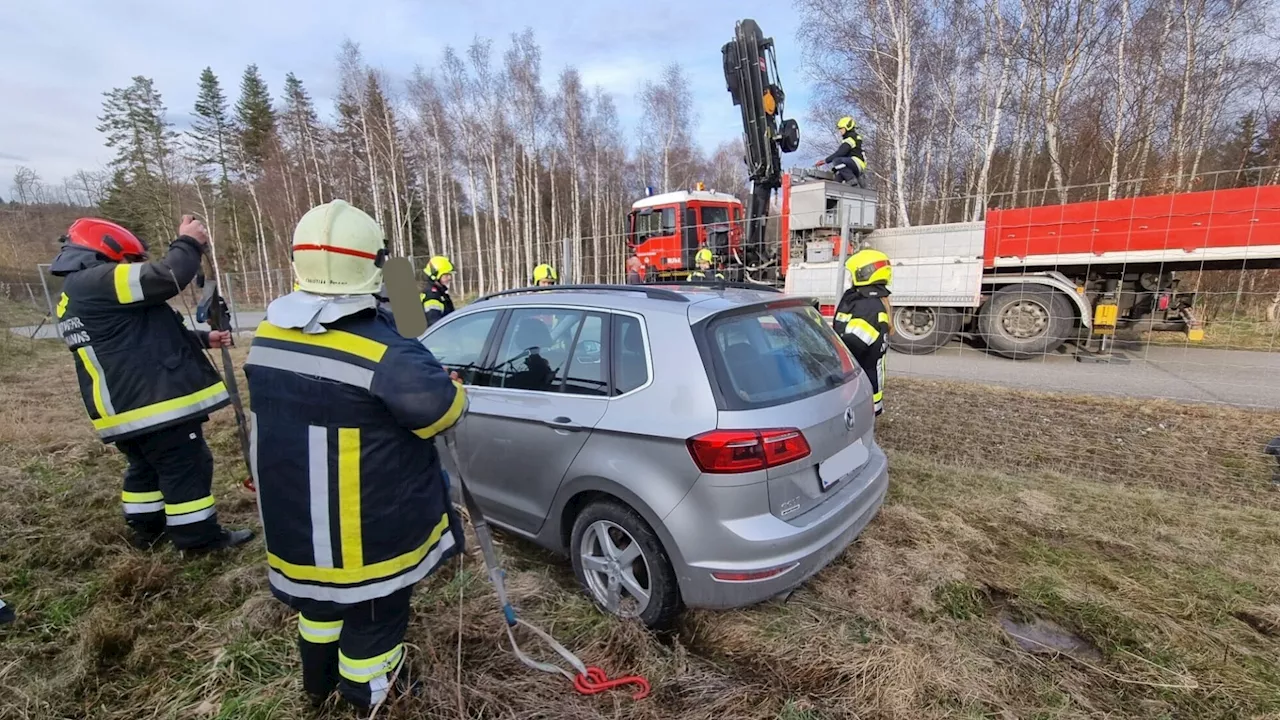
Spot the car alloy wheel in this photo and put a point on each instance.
(615, 569)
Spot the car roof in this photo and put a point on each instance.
(697, 301)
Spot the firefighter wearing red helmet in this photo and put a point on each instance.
(143, 376)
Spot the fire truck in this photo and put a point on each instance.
(667, 229)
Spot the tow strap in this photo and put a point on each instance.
(587, 680)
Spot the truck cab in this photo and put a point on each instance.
(666, 230)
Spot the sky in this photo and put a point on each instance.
(57, 57)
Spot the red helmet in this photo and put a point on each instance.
(106, 238)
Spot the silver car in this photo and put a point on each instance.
(685, 446)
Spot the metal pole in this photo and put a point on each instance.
(48, 299)
(566, 252)
(843, 209)
(229, 284)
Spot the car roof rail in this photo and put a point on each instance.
(653, 293)
(734, 284)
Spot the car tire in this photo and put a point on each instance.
(1026, 321)
(935, 327)
(664, 604)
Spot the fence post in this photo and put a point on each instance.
(566, 252)
(48, 299)
(844, 248)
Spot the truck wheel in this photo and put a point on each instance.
(922, 330)
(622, 565)
(1025, 321)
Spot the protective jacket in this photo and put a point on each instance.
(436, 302)
(354, 505)
(862, 321)
(850, 147)
(702, 275)
(139, 368)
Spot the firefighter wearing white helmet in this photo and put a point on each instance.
(862, 316)
(848, 162)
(435, 296)
(354, 504)
(703, 260)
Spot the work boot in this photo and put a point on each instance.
(225, 540)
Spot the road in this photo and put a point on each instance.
(1234, 377)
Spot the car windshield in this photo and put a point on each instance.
(777, 355)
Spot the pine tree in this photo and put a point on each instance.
(255, 117)
(141, 191)
(210, 132)
(303, 133)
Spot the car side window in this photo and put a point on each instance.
(627, 354)
(459, 343)
(586, 374)
(534, 349)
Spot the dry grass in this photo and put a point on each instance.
(14, 313)
(1227, 335)
(1148, 529)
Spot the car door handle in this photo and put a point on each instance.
(563, 423)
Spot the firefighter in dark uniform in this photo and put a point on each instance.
(345, 412)
(545, 274)
(862, 316)
(435, 296)
(703, 261)
(848, 161)
(146, 383)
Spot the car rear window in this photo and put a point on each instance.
(773, 356)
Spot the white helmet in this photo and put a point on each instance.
(338, 250)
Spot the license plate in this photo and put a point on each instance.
(838, 466)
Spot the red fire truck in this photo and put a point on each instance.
(666, 230)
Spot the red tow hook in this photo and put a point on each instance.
(596, 681)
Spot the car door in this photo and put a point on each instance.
(544, 390)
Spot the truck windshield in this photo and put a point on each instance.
(776, 355)
(658, 223)
(713, 215)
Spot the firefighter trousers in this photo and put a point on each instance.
(355, 648)
(168, 486)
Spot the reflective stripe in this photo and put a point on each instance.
(62, 304)
(449, 417)
(318, 473)
(128, 278)
(143, 508)
(189, 518)
(142, 497)
(433, 305)
(189, 507)
(378, 688)
(844, 317)
(883, 317)
(313, 365)
(332, 339)
(349, 498)
(862, 164)
(359, 593)
(318, 632)
(97, 378)
(362, 670)
(862, 330)
(375, 571)
(161, 412)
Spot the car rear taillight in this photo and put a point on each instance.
(739, 451)
(757, 576)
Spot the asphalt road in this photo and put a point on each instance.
(1235, 377)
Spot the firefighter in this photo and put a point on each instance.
(635, 270)
(435, 296)
(862, 317)
(544, 275)
(355, 509)
(145, 380)
(848, 161)
(703, 260)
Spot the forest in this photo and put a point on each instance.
(485, 155)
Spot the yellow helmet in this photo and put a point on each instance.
(545, 272)
(438, 266)
(704, 255)
(338, 250)
(869, 267)
(845, 124)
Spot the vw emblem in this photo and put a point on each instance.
(849, 419)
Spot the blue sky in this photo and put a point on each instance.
(57, 57)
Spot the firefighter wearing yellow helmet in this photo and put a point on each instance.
(862, 316)
(545, 274)
(848, 161)
(354, 504)
(435, 296)
(703, 260)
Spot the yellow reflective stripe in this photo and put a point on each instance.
(844, 317)
(349, 498)
(878, 395)
(352, 576)
(331, 339)
(189, 507)
(433, 305)
(863, 329)
(883, 317)
(128, 281)
(318, 632)
(62, 304)
(95, 380)
(141, 497)
(363, 671)
(449, 417)
(147, 411)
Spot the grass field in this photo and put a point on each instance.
(1149, 531)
